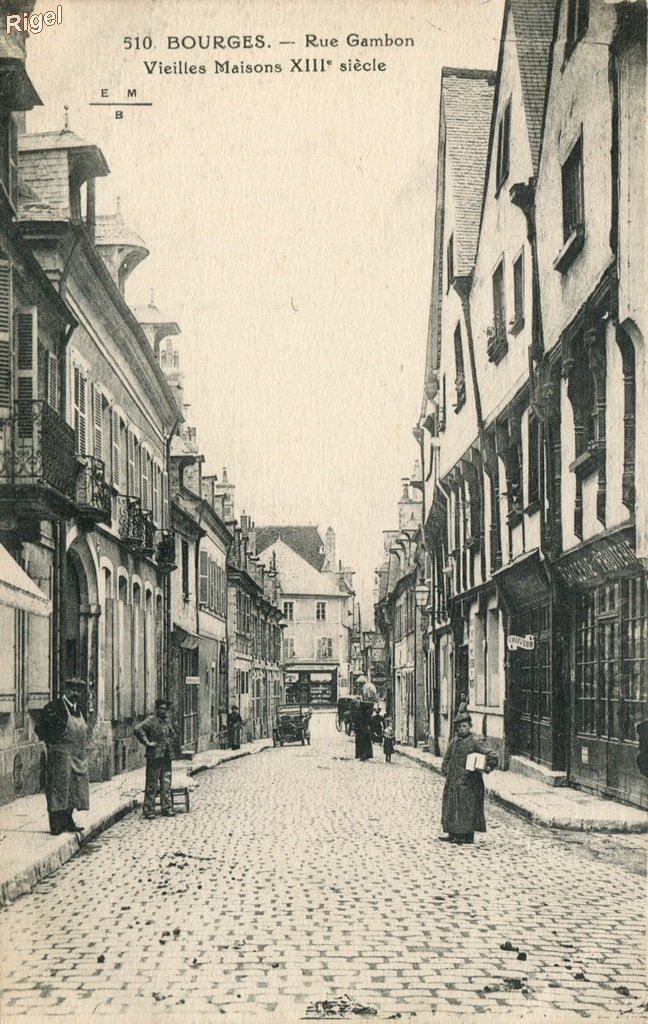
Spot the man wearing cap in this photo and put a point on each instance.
(63, 729)
(234, 725)
(157, 734)
(463, 797)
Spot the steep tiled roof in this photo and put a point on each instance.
(534, 25)
(305, 540)
(297, 575)
(467, 98)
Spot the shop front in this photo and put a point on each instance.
(314, 687)
(608, 615)
(536, 702)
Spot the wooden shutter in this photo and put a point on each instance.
(203, 580)
(130, 447)
(116, 447)
(52, 389)
(80, 411)
(97, 421)
(5, 338)
(27, 363)
(165, 501)
(155, 473)
(146, 469)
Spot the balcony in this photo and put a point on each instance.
(38, 465)
(93, 496)
(496, 341)
(135, 526)
(166, 550)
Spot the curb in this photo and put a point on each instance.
(545, 821)
(28, 878)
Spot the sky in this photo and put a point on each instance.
(289, 217)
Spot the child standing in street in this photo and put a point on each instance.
(463, 795)
(388, 740)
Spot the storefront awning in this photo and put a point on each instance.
(599, 559)
(189, 641)
(524, 581)
(17, 590)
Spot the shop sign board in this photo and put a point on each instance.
(521, 643)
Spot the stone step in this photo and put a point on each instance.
(539, 772)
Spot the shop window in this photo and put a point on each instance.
(612, 660)
(493, 658)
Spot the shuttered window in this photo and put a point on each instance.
(97, 421)
(165, 501)
(5, 336)
(146, 470)
(27, 346)
(155, 474)
(80, 411)
(116, 448)
(203, 581)
(130, 444)
(52, 384)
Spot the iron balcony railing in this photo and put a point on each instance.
(38, 449)
(166, 549)
(135, 525)
(93, 495)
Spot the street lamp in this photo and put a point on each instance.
(422, 595)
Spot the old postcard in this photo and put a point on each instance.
(323, 509)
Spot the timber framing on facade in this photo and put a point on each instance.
(533, 546)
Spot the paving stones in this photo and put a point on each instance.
(303, 881)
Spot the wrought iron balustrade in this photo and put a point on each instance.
(37, 451)
(93, 496)
(166, 549)
(135, 525)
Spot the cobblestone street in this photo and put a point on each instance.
(301, 876)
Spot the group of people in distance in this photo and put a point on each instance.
(370, 725)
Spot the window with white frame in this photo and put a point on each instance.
(320, 611)
(289, 610)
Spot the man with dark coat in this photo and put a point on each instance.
(157, 734)
(234, 725)
(62, 727)
(463, 797)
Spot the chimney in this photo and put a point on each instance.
(329, 549)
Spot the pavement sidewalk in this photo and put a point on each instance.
(551, 806)
(29, 853)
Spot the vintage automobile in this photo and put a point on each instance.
(291, 725)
